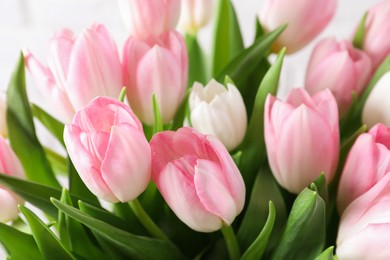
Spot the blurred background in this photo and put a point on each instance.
(30, 24)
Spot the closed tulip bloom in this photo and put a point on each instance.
(79, 69)
(367, 163)
(148, 18)
(302, 137)
(197, 178)
(195, 14)
(377, 30)
(305, 19)
(158, 67)
(3, 115)
(219, 111)
(365, 225)
(108, 148)
(377, 106)
(339, 67)
(10, 165)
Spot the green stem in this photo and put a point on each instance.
(231, 242)
(146, 221)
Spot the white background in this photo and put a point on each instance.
(31, 23)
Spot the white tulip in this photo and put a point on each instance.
(377, 107)
(195, 14)
(219, 111)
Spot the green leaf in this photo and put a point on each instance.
(243, 64)
(257, 249)
(73, 234)
(227, 41)
(158, 123)
(253, 146)
(321, 186)
(21, 131)
(181, 112)
(122, 95)
(326, 255)
(53, 125)
(136, 247)
(19, 245)
(304, 236)
(77, 186)
(358, 40)
(196, 58)
(57, 161)
(48, 243)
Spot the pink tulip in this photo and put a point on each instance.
(197, 178)
(367, 163)
(149, 18)
(10, 165)
(339, 67)
(108, 148)
(377, 30)
(305, 19)
(365, 225)
(79, 69)
(302, 137)
(157, 67)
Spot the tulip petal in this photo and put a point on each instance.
(8, 205)
(126, 168)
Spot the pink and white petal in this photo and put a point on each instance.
(8, 205)
(126, 168)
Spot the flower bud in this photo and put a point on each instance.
(365, 225)
(377, 30)
(195, 14)
(3, 115)
(197, 178)
(10, 165)
(367, 162)
(149, 18)
(377, 106)
(339, 67)
(79, 69)
(219, 111)
(156, 67)
(108, 148)
(302, 137)
(305, 19)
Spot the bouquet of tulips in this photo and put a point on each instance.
(164, 146)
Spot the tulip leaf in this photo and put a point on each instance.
(321, 186)
(136, 247)
(326, 255)
(19, 245)
(158, 123)
(48, 243)
(73, 235)
(358, 40)
(77, 186)
(181, 112)
(242, 65)
(21, 131)
(122, 95)
(253, 146)
(196, 59)
(304, 235)
(257, 249)
(227, 41)
(53, 125)
(57, 161)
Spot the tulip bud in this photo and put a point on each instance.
(108, 148)
(197, 178)
(3, 115)
(305, 19)
(367, 162)
(10, 165)
(365, 225)
(149, 18)
(218, 111)
(377, 106)
(79, 69)
(377, 29)
(155, 67)
(302, 137)
(195, 14)
(339, 67)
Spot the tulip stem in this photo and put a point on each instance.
(231, 242)
(146, 221)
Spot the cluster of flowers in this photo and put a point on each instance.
(191, 166)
